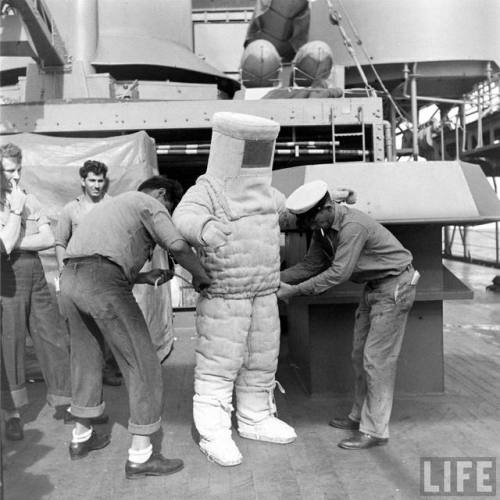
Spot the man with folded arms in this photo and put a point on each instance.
(27, 305)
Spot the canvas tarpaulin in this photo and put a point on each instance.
(50, 172)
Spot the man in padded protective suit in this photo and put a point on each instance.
(231, 216)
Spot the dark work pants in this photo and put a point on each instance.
(97, 300)
(28, 308)
(6, 397)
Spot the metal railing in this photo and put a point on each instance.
(480, 244)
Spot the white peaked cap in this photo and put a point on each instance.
(245, 127)
(306, 196)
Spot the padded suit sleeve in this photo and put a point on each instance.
(192, 214)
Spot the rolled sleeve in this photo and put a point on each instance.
(161, 227)
(33, 216)
(62, 232)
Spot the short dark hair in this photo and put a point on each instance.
(173, 188)
(94, 166)
(10, 150)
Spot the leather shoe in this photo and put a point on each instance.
(14, 429)
(344, 423)
(156, 465)
(362, 442)
(95, 442)
(112, 380)
(69, 418)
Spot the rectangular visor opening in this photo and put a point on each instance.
(257, 154)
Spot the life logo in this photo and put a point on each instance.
(458, 476)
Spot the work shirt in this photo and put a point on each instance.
(355, 248)
(125, 230)
(71, 215)
(32, 217)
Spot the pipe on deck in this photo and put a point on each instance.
(85, 29)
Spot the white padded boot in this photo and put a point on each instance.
(271, 429)
(222, 451)
(213, 422)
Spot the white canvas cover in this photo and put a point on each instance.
(50, 172)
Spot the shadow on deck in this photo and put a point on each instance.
(462, 422)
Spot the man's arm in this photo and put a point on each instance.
(185, 256)
(43, 238)
(39, 241)
(160, 226)
(9, 234)
(62, 235)
(313, 263)
(351, 242)
(153, 277)
(60, 254)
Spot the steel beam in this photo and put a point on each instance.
(103, 116)
(42, 30)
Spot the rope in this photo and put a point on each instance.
(335, 19)
(372, 66)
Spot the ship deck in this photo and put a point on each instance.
(461, 422)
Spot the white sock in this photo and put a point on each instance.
(11, 414)
(80, 438)
(140, 456)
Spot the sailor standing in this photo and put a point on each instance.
(349, 245)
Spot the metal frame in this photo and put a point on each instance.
(95, 116)
(43, 32)
(483, 104)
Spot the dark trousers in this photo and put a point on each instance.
(97, 300)
(28, 308)
(6, 397)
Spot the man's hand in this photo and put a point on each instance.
(285, 291)
(16, 198)
(215, 233)
(341, 194)
(154, 277)
(201, 282)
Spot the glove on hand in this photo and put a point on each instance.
(344, 194)
(215, 233)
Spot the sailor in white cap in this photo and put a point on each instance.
(231, 216)
(309, 199)
(347, 245)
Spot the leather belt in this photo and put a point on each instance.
(377, 281)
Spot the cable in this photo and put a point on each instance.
(335, 19)
(367, 56)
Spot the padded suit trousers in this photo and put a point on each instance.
(237, 348)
